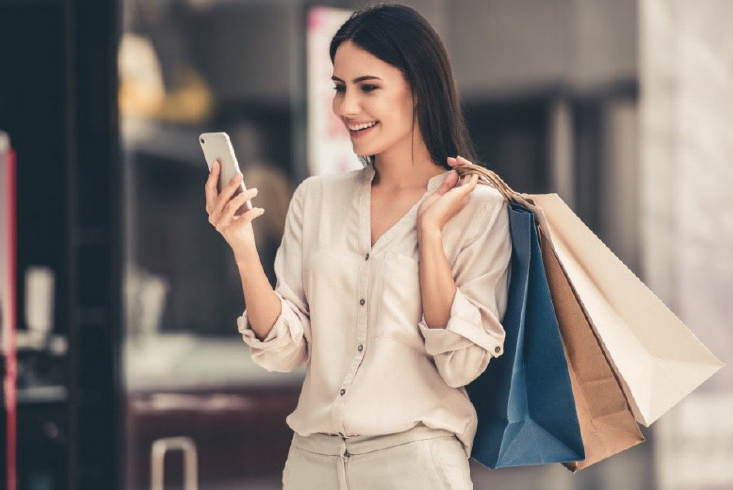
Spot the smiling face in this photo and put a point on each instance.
(373, 99)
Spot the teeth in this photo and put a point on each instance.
(362, 126)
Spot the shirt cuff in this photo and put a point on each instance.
(278, 335)
(463, 329)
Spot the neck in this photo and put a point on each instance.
(404, 167)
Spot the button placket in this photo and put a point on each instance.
(361, 326)
(343, 449)
(363, 314)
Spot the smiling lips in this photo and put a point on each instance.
(358, 130)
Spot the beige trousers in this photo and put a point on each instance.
(420, 458)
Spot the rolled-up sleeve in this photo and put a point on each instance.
(474, 334)
(286, 346)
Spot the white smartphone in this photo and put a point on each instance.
(217, 146)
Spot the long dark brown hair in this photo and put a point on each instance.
(398, 35)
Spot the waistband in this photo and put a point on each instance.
(336, 445)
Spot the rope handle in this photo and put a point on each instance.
(488, 177)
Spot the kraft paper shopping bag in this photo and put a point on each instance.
(607, 423)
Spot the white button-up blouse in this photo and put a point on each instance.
(353, 313)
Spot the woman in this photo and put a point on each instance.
(392, 279)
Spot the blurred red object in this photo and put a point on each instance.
(7, 302)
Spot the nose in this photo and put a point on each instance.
(348, 103)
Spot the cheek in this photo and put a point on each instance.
(401, 107)
(401, 114)
(396, 110)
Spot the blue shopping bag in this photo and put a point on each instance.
(526, 411)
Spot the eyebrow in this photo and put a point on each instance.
(357, 79)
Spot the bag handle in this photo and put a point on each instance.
(487, 177)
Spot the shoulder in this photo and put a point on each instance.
(485, 199)
(486, 210)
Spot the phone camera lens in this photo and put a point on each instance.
(202, 140)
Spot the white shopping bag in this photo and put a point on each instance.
(658, 359)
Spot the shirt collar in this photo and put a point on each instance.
(433, 183)
(436, 180)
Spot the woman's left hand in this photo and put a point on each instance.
(440, 206)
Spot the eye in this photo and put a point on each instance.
(368, 88)
(339, 89)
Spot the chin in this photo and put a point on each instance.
(369, 148)
(365, 149)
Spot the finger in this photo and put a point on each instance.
(474, 181)
(214, 172)
(249, 216)
(463, 161)
(210, 187)
(466, 177)
(448, 183)
(240, 221)
(227, 215)
(235, 203)
(227, 192)
(467, 184)
(451, 161)
(469, 181)
(471, 184)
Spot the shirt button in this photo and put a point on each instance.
(366, 257)
(342, 392)
(360, 348)
(361, 301)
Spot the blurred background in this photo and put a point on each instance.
(124, 298)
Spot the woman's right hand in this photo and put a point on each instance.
(236, 230)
